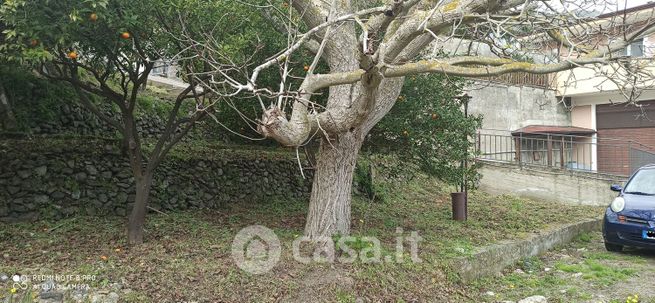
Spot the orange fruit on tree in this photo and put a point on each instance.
(435, 116)
(125, 35)
(306, 67)
(93, 17)
(72, 55)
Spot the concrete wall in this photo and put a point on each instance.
(511, 107)
(583, 81)
(491, 260)
(550, 185)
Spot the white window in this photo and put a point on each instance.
(635, 49)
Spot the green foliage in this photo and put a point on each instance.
(427, 127)
(39, 31)
(24, 296)
(101, 47)
(599, 272)
(108, 42)
(584, 237)
(356, 243)
(345, 297)
(247, 38)
(531, 264)
(231, 28)
(238, 116)
(151, 105)
(121, 36)
(33, 100)
(363, 179)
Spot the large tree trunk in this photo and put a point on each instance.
(351, 111)
(137, 217)
(329, 206)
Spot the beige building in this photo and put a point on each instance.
(600, 119)
(621, 113)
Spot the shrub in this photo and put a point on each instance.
(427, 128)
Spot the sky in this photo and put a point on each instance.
(599, 6)
(632, 3)
(616, 3)
(621, 4)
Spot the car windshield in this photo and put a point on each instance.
(643, 183)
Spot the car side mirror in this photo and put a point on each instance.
(616, 187)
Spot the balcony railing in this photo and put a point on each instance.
(522, 78)
(566, 152)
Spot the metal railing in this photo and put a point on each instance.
(578, 153)
(164, 68)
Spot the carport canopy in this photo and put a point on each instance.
(553, 130)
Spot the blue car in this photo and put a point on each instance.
(630, 218)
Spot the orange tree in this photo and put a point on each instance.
(428, 127)
(106, 49)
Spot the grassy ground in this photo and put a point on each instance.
(582, 271)
(187, 255)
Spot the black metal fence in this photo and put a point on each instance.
(581, 153)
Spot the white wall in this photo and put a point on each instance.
(549, 185)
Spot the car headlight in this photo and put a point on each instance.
(618, 204)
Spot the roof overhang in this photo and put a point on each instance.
(553, 130)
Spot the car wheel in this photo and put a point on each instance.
(613, 247)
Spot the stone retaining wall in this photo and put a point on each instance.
(72, 119)
(59, 178)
